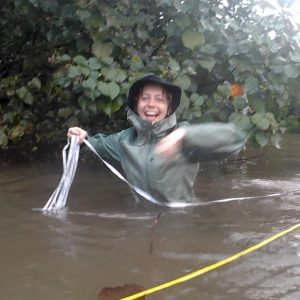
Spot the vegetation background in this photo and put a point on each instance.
(70, 62)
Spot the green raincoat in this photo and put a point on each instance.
(131, 152)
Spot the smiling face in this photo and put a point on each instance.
(152, 103)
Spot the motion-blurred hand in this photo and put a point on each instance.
(169, 146)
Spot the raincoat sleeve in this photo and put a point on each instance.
(212, 141)
(107, 146)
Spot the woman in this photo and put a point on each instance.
(157, 154)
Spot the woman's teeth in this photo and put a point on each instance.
(151, 114)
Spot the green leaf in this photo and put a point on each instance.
(94, 21)
(3, 138)
(22, 92)
(35, 84)
(277, 68)
(291, 71)
(93, 107)
(239, 103)
(240, 120)
(80, 60)
(114, 74)
(73, 72)
(103, 88)
(107, 60)
(278, 63)
(83, 14)
(115, 105)
(65, 112)
(262, 139)
(89, 94)
(207, 63)
(256, 118)
(94, 63)
(260, 121)
(107, 109)
(113, 89)
(65, 82)
(66, 58)
(273, 122)
(172, 29)
(101, 50)
(173, 65)
(83, 102)
(209, 49)
(196, 99)
(25, 95)
(264, 124)
(72, 121)
(184, 104)
(95, 75)
(251, 85)
(257, 105)
(241, 63)
(120, 76)
(16, 132)
(192, 39)
(197, 114)
(89, 83)
(223, 89)
(9, 117)
(184, 82)
(183, 21)
(295, 57)
(136, 63)
(84, 70)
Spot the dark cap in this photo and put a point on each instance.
(171, 88)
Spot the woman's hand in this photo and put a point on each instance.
(82, 134)
(171, 144)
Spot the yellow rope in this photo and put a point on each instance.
(211, 267)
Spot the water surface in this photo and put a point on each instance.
(105, 238)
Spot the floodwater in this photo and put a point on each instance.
(106, 239)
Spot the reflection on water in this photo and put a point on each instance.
(106, 239)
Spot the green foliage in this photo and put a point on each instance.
(65, 63)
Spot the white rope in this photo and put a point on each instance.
(59, 197)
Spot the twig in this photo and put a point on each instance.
(155, 222)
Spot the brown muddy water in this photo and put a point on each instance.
(106, 239)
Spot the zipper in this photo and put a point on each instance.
(147, 164)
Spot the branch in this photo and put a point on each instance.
(158, 46)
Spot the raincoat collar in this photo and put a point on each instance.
(158, 129)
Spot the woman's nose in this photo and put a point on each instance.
(151, 101)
